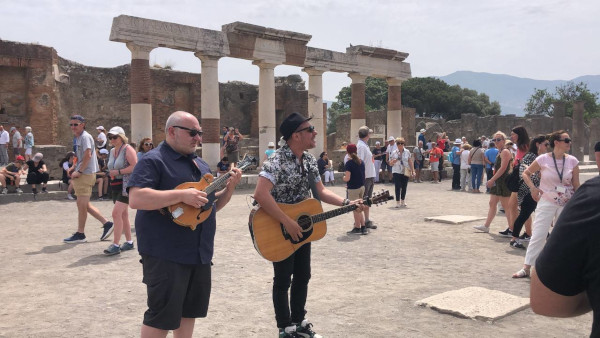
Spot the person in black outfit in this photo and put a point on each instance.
(566, 278)
(37, 173)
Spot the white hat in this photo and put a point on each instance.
(116, 131)
(458, 141)
(391, 138)
(271, 145)
(100, 127)
(104, 151)
(37, 157)
(377, 143)
(423, 130)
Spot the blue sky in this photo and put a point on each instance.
(546, 40)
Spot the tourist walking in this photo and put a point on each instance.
(364, 153)
(29, 143)
(455, 159)
(418, 160)
(378, 156)
(527, 204)
(4, 141)
(490, 160)
(354, 176)
(435, 154)
(520, 138)
(17, 141)
(476, 162)
(559, 181)
(465, 168)
(121, 162)
(497, 184)
(83, 175)
(403, 169)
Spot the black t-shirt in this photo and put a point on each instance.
(597, 147)
(570, 261)
(357, 174)
(321, 164)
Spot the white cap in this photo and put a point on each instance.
(116, 131)
(38, 156)
(423, 130)
(391, 138)
(377, 143)
(104, 151)
(271, 144)
(100, 127)
(458, 141)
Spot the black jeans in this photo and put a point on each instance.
(527, 208)
(489, 172)
(455, 176)
(400, 184)
(298, 264)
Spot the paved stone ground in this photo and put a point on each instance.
(362, 286)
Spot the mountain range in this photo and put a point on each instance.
(510, 91)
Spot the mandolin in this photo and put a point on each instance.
(272, 241)
(190, 216)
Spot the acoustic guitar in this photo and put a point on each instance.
(190, 216)
(272, 241)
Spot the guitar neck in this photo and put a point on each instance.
(218, 184)
(333, 213)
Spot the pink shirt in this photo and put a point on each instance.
(550, 179)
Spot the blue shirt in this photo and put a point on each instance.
(456, 159)
(422, 138)
(491, 155)
(163, 168)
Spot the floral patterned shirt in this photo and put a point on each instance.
(289, 175)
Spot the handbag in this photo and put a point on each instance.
(513, 181)
(407, 172)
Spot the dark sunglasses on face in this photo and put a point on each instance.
(112, 137)
(74, 124)
(400, 143)
(148, 144)
(193, 132)
(497, 139)
(309, 129)
(547, 144)
(565, 140)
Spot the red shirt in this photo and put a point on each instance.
(435, 151)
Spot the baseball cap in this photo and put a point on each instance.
(38, 156)
(100, 127)
(104, 151)
(116, 131)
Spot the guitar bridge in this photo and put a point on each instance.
(177, 212)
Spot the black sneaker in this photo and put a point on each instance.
(288, 332)
(506, 233)
(304, 329)
(34, 191)
(370, 225)
(517, 244)
(77, 237)
(354, 231)
(44, 191)
(108, 229)
(364, 230)
(525, 237)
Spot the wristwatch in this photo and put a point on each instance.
(346, 201)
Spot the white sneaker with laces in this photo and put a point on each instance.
(19, 191)
(70, 197)
(482, 228)
(4, 191)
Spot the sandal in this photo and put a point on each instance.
(521, 274)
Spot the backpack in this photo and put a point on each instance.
(513, 181)
(451, 156)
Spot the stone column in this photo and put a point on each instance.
(558, 119)
(394, 108)
(139, 88)
(578, 134)
(357, 105)
(267, 131)
(594, 137)
(209, 109)
(315, 107)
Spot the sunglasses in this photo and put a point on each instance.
(193, 132)
(74, 124)
(148, 144)
(309, 129)
(497, 139)
(565, 140)
(400, 143)
(112, 137)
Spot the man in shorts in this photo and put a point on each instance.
(83, 177)
(364, 153)
(11, 175)
(176, 260)
(434, 160)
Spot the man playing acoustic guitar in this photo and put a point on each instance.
(285, 179)
(176, 260)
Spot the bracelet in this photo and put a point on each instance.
(346, 201)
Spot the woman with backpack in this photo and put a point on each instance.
(476, 161)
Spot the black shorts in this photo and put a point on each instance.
(117, 195)
(175, 291)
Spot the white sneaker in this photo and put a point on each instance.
(19, 191)
(398, 204)
(70, 197)
(4, 191)
(482, 228)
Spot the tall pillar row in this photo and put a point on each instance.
(210, 112)
(267, 131)
(394, 108)
(315, 107)
(357, 104)
(578, 134)
(141, 108)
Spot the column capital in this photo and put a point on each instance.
(207, 58)
(138, 51)
(264, 65)
(357, 77)
(312, 71)
(394, 81)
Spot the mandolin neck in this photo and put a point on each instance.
(333, 213)
(218, 184)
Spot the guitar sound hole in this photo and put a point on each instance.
(305, 222)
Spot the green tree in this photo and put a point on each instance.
(540, 103)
